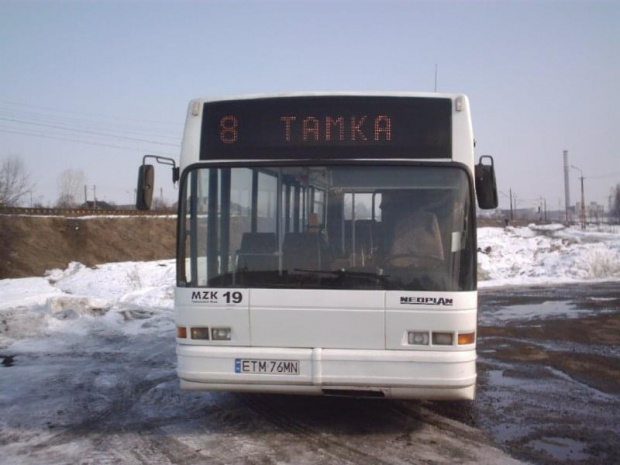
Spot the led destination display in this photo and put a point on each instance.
(327, 126)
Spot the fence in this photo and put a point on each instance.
(73, 212)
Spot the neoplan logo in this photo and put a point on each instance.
(426, 301)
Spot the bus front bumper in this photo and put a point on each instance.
(439, 375)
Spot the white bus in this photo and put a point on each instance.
(327, 245)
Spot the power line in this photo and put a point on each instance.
(13, 120)
(610, 175)
(85, 114)
(79, 141)
(80, 123)
(72, 137)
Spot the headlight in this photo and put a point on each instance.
(200, 333)
(442, 339)
(220, 334)
(418, 338)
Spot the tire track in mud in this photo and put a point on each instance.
(147, 446)
(332, 449)
(103, 425)
(380, 431)
(470, 439)
(96, 424)
(116, 438)
(439, 416)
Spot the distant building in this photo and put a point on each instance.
(98, 205)
(594, 211)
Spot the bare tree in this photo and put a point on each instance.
(15, 181)
(70, 186)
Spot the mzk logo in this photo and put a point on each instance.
(205, 297)
(426, 301)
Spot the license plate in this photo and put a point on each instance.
(267, 367)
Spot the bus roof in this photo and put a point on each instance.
(329, 94)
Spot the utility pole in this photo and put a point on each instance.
(95, 197)
(514, 196)
(540, 210)
(511, 211)
(582, 215)
(566, 187)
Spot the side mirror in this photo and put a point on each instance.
(486, 188)
(146, 181)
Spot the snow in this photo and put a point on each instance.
(115, 281)
(80, 300)
(25, 292)
(549, 254)
(535, 312)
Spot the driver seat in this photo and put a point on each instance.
(416, 241)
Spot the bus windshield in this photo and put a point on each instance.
(384, 227)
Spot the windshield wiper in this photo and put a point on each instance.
(342, 271)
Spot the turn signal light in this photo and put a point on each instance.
(467, 338)
(181, 332)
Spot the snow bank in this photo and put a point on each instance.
(547, 254)
(539, 311)
(25, 292)
(113, 281)
(127, 297)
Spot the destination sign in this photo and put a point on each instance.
(327, 127)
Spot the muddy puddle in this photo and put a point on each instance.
(549, 373)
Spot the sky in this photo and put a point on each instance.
(92, 86)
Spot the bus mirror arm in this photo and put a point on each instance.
(486, 187)
(146, 180)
